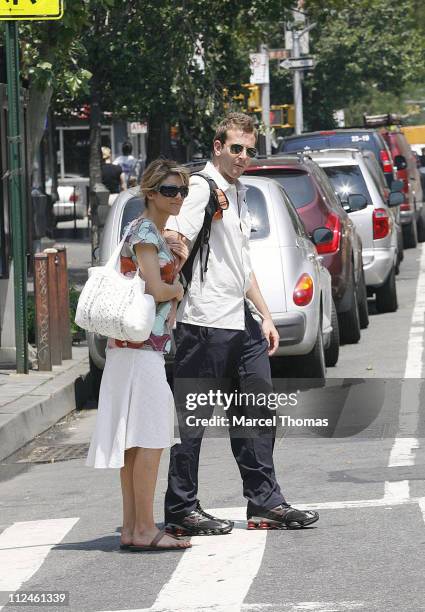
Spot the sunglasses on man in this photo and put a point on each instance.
(171, 191)
(236, 149)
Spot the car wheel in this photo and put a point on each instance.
(362, 299)
(410, 235)
(386, 296)
(421, 227)
(332, 352)
(349, 322)
(95, 379)
(313, 364)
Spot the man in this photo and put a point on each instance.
(217, 337)
(127, 161)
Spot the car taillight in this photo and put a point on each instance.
(387, 164)
(74, 197)
(381, 223)
(333, 223)
(405, 206)
(303, 292)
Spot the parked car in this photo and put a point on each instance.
(412, 210)
(378, 176)
(316, 203)
(70, 204)
(294, 282)
(353, 182)
(351, 138)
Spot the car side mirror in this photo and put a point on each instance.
(396, 198)
(397, 186)
(322, 235)
(355, 202)
(400, 162)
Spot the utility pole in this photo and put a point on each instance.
(298, 92)
(265, 101)
(18, 219)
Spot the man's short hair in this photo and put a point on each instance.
(235, 121)
(126, 148)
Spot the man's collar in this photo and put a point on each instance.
(221, 182)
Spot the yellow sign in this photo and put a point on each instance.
(31, 9)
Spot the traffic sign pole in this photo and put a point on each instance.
(265, 105)
(298, 95)
(17, 212)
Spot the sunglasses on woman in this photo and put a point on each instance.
(171, 191)
(236, 149)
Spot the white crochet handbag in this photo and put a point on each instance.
(114, 305)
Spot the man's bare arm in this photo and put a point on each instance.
(254, 294)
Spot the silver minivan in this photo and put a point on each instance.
(295, 284)
(373, 215)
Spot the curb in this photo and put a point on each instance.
(30, 415)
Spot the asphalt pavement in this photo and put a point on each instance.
(59, 521)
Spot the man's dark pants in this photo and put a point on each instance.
(227, 356)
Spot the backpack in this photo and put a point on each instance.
(202, 239)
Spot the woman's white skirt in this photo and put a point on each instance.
(136, 407)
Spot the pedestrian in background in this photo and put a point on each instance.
(112, 175)
(218, 338)
(135, 420)
(128, 162)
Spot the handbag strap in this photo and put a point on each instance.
(113, 261)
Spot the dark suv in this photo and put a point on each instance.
(343, 139)
(412, 211)
(317, 204)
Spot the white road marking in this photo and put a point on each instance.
(323, 606)
(415, 345)
(396, 491)
(24, 547)
(404, 446)
(402, 452)
(421, 503)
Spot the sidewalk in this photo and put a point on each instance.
(31, 403)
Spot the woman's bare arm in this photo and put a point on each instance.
(148, 261)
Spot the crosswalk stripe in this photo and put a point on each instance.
(24, 546)
(222, 568)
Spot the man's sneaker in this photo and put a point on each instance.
(281, 517)
(199, 522)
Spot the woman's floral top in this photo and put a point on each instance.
(145, 231)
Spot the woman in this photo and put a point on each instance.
(136, 409)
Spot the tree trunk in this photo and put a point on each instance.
(38, 107)
(95, 159)
(158, 137)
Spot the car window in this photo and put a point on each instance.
(346, 180)
(297, 224)
(133, 208)
(326, 187)
(377, 176)
(298, 186)
(257, 206)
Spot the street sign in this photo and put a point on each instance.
(39, 10)
(299, 63)
(259, 63)
(278, 54)
(138, 128)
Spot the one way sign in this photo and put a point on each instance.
(298, 63)
(31, 9)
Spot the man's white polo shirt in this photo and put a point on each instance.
(218, 300)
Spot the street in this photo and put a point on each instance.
(59, 519)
